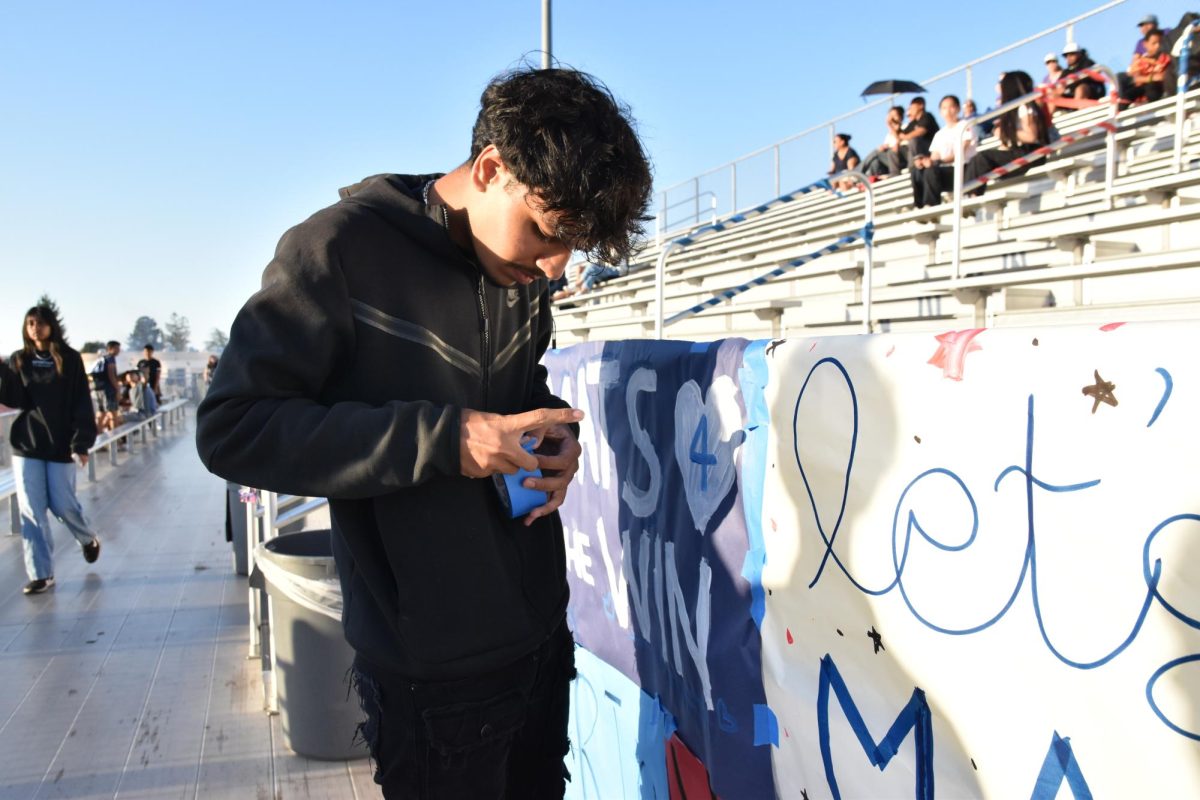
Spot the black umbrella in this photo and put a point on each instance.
(894, 87)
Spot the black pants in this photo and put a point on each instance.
(499, 735)
(1151, 91)
(929, 183)
(987, 160)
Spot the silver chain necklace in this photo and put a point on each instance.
(425, 199)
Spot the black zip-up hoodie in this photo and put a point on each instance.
(56, 416)
(344, 377)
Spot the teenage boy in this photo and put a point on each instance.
(151, 369)
(390, 362)
(934, 173)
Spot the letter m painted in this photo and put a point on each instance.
(915, 715)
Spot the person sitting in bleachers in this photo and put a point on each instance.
(1021, 131)
(844, 158)
(588, 276)
(887, 159)
(1054, 70)
(933, 174)
(1146, 79)
(1077, 61)
(1148, 23)
(918, 133)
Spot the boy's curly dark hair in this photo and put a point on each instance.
(562, 134)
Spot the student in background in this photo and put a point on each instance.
(46, 381)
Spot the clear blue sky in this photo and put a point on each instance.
(153, 152)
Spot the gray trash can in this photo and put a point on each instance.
(312, 659)
(235, 511)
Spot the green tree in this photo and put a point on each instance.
(48, 301)
(217, 340)
(145, 331)
(89, 348)
(178, 333)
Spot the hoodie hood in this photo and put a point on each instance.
(397, 199)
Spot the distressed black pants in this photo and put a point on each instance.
(499, 735)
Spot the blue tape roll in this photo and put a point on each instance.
(516, 499)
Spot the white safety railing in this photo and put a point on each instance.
(662, 221)
(1181, 87)
(866, 234)
(1109, 127)
(829, 126)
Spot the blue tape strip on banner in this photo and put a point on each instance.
(766, 726)
(1060, 764)
(655, 727)
(753, 377)
(915, 717)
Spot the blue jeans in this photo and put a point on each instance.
(595, 273)
(46, 486)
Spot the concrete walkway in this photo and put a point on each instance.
(130, 678)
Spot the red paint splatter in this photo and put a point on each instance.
(1112, 326)
(789, 636)
(774, 527)
(812, 347)
(786, 735)
(953, 347)
(891, 350)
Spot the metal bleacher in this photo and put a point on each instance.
(1049, 245)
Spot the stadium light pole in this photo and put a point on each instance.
(546, 34)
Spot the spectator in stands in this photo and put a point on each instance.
(1020, 130)
(1054, 70)
(210, 369)
(970, 112)
(844, 158)
(588, 276)
(1172, 44)
(46, 381)
(1084, 88)
(918, 133)
(1147, 24)
(151, 369)
(1146, 79)
(934, 173)
(347, 380)
(886, 160)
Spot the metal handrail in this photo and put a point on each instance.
(866, 233)
(662, 220)
(1038, 93)
(1181, 86)
(828, 124)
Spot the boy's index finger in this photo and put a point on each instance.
(542, 417)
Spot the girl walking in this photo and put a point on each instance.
(46, 381)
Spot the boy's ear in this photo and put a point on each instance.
(488, 168)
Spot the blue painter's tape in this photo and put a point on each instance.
(753, 377)
(766, 726)
(868, 233)
(655, 727)
(915, 717)
(1060, 765)
(516, 499)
